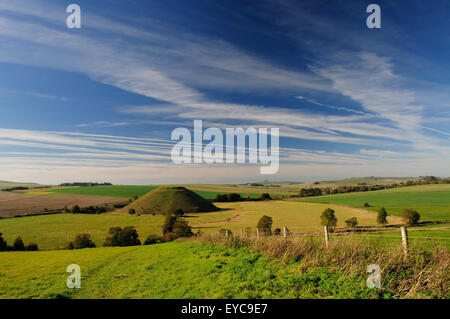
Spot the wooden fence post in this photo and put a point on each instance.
(284, 232)
(226, 233)
(257, 233)
(404, 232)
(325, 228)
(242, 232)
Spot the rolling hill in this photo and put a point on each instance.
(168, 199)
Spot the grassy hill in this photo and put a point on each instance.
(431, 201)
(168, 199)
(6, 184)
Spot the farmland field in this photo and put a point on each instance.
(18, 204)
(55, 231)
(431, 201)
(206, 191)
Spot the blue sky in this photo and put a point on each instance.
(99, 103)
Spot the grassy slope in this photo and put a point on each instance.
(53, 231)
(110, 191)
(431, 201)
(174, 270)
(169, 199)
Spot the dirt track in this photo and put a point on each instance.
(13, 204)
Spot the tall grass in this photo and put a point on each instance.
(424, 273)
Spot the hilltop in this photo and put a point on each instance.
(168, 199)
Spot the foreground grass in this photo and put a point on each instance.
(431, 201)
(268, 269)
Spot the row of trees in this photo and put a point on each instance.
(18, 245)
(235, 197)
(86, 210)
(84, 184)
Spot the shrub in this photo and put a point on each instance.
(82, 241)
(178, 213)
(410, 216)
(129, 237)
(122, 237)
(3, 243)
(18, 244)
(153, 239)
(75, 209)
(277, 231)
(169, 237)
(113, 239)
(182, 229)
(366, 205)
(328, 218)
(265, 225)
(32, 247)
(352, 222)
(131, 211)
(168, 224)
(265, 196)
(382, 216)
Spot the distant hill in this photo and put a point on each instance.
(7, 184)
(372, 180)
(168, 199)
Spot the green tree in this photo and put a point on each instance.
(410, 216)
(168, 224)
(82, 241)
(112, 239)
(131, 211)
(265, 225)
(328, 218)
(129, 237)
(3, 243)
(382, 216)
(18, 244)
(178, 213)
(265, 196)
(352, 222)
(75, 209)
(182, 229)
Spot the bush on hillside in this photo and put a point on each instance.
(265, 225)
(3, 243)
(18, 244)
(328, 219)
(382, 216)
(32, 247)
(265, 196)
(122, 237)
(182, 229)
(231, 197)
(352, 222)
(153, 239)
(81, 241)
(410, 216)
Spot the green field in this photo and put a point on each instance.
(55, 231)
(173, 270)
(129, 191)
(111, 191)
(431, 201)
